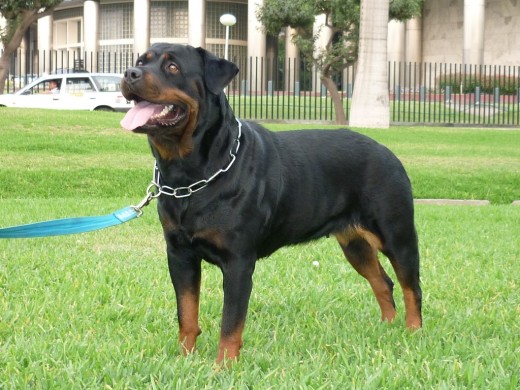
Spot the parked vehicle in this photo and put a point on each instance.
(71, 91)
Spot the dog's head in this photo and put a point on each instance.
(168, 84)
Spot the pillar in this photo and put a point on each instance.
(197, 23)
(413, 51)
(324, 34)
(45, 32)
(141, 27)
(413, 41)
(256, 44)
(396, 41)
(90, 33)
(474, 20)
(292, 60)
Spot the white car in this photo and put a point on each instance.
(72, 91)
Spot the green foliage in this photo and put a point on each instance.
(342, 17)
(9, 8)
(276, 14)
(405, 9)
(15, 11)
(508, 84)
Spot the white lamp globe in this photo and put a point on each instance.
(228, 20)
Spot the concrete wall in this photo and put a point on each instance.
(502, 32)
(443, 31)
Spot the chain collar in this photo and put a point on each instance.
(155, 188)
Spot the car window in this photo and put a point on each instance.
(107, 83)
(44, 87)
(79, 86)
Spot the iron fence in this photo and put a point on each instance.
(289, 90)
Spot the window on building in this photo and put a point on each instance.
(215, 29)
(169, 19)
(67, 33)
(116, 21)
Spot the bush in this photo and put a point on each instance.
(508, 85)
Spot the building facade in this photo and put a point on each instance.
(450, 31)
(473, 32)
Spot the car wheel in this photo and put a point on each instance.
(104, 108)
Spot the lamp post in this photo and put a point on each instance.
(227, 20)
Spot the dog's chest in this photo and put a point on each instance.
(197, 234)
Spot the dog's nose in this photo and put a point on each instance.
(133, 74)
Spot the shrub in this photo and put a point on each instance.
(508, 85)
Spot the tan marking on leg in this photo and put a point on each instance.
(356, 232)
(384, 299)
(229, 345)
(369, 267)
(412, 303)
(413, 315)
(188, 322)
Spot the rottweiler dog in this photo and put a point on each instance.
(231, 192)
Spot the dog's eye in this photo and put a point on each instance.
(172, 68)
(139, 63)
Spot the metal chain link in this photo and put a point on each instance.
(184, 192)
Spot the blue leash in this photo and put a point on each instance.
(60, 227)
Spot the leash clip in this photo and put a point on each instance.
(152, 192)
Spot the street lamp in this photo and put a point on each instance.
(227, 20)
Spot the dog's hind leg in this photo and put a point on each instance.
(360, 248)
(405, 260)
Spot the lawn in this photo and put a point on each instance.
(461, 110)
(97, 310)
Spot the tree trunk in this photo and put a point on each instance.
(336, 99)
(370, 100)
(4, 70)
(28, 18)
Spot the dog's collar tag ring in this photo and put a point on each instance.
(155, 188)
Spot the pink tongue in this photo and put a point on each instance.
(140, 114)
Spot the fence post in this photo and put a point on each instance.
(244, 87)
(422, 93)
(497, 95)
(349, 90)
(397, 92)
(323, 91)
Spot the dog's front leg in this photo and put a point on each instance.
(185, 271)
(238, 283)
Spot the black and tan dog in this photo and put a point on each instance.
(233, 192)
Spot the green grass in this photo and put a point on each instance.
(306, 107)
(86, 154)
(97, 310)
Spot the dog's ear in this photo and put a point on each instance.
(218, 72)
